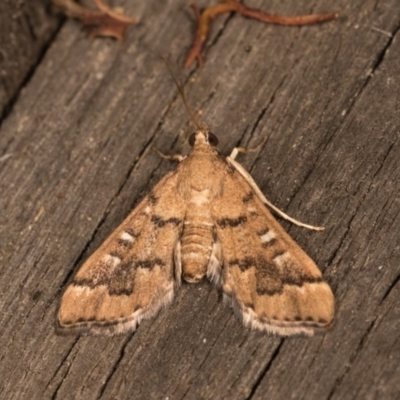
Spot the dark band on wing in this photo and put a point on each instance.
(158, 221)
(232, 222)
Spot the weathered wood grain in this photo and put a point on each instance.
(26, 28)
(79, 139)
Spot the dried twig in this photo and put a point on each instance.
(105, 21)
(204, 21)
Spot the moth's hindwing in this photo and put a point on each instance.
(271, 282)
(131, 276)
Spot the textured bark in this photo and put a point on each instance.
(76, 157)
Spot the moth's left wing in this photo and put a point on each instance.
(131, 276)
(270, 281)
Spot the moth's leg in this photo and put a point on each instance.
(238, 150)
(261, 196)
(173, 157)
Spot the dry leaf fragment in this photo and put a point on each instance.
(205, 17)
(105, 21)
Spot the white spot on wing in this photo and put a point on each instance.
(267, 237)
(114, 261)
(282, 259)
(147, 210)
(127, 237)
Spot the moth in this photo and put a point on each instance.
(208, 219)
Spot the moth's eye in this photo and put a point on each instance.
(192, 139)
(212, 139)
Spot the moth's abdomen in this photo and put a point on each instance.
(196, 248)
(197, 238)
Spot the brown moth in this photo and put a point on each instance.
(206, 218)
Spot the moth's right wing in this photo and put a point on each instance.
(131, 276)
(271, 282)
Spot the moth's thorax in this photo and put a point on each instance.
(200, 170)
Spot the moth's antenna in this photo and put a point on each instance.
(181, 90)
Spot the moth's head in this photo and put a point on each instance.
(203, 136)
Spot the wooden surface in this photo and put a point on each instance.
(26, 30)
(76, 157)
